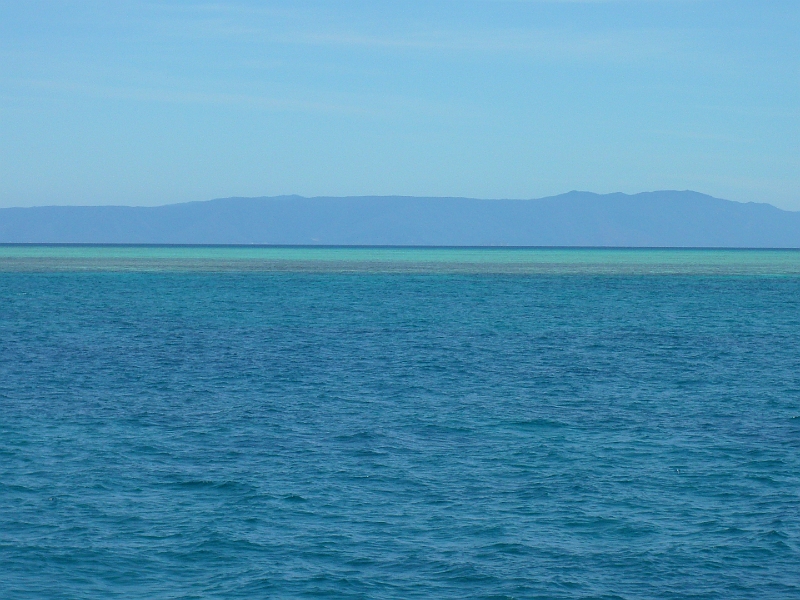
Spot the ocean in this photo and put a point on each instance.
(261, 422)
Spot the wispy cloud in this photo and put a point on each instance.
(535, 44)
(296, 101)
(531, 43)
(178, 96)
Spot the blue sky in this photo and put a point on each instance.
(157, 102)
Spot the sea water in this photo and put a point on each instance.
(182, 422)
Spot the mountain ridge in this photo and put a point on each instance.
(648, 219)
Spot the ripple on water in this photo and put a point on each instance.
(400, 432)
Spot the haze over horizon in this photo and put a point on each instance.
(141, 103)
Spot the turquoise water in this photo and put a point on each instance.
(399, 423)
(557, 261)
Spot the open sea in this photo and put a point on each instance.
(264, 422)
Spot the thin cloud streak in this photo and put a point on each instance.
(382, 106)
(537, 44)
(301, 28)
(173, 96)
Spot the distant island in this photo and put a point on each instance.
(652, 219)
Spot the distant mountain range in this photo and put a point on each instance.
(653, 219)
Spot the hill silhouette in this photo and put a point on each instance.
(652, 219)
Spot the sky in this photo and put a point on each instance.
(147, 103)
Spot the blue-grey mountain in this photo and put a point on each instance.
(653, 219)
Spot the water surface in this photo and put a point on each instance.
(228, 422)
(33, 257)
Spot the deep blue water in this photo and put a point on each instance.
(411, 433)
